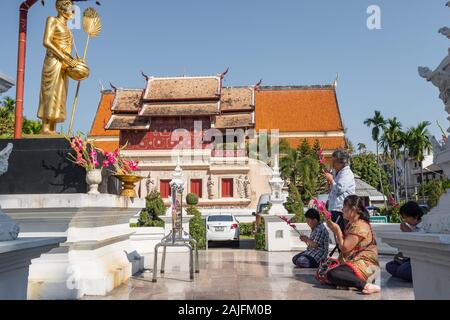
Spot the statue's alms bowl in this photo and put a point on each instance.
(80, 72)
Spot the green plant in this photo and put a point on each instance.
(433, 190)
(260, 236)
(294, 204)
(246, 228)
(197, 227)
(154, 207)
(302, 167)
(133, 225)
(192, 199)
(394, 215)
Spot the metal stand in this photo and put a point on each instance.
(171, 240)
(177, 236)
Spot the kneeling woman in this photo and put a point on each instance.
(359, 256)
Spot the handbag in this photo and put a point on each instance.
(400, 259)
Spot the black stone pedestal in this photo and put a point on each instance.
(40, 166)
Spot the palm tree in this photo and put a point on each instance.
(408, 142)
(377, 123)
(8, 104)
(361, 147)
(420, 146)
(392, 142)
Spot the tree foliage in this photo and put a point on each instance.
(260, 236)
(301, 167)
(149, 217)
(197, 228)
(433, 190)
(365, 166)
(7, 120)
(294, 204)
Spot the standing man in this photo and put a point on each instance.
(342, 184)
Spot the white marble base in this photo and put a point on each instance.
(15, 259)
(145, 239)
(97, 255)
(430, 261)
(278, 233)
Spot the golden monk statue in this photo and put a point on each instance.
(59, 65)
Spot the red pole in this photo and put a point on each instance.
(21, 66)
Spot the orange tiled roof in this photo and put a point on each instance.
(327, 143)
(102, 116)
(107, 145)
(297, 109)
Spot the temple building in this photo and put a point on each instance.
(199, 120)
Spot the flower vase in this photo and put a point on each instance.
(93, 179)
(128, 184)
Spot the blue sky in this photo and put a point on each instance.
(303, 42)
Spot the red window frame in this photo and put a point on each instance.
(164, 188)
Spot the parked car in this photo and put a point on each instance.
(222, 227)
(374, 210)
(263, 202)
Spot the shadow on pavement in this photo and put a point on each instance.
(245, 244)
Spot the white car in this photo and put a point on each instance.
(222, 227)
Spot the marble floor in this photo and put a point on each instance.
(239, 274)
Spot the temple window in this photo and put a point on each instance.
(164, 188)
(227, 187)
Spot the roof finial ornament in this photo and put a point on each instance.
(102, 88)
(114, 89)
(223, 74)
(146, 77)
(257, 86)
(335, 83)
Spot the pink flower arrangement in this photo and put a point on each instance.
(321, 206)
(85, 153)
(288, 221)
(392, 201)
(86, 156)
(321, 156)
(121, 166)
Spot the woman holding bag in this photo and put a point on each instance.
(358, 260)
